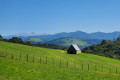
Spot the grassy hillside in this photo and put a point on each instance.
(68, 42)
(21, 69)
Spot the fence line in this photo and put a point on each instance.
(88, 68)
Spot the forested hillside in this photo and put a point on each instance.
(68, 41)
(106, 48)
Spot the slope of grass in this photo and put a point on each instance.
(22, 69)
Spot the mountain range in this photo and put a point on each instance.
(76, 34)
(64, 38)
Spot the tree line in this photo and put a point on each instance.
(20, 41)
(106, 48)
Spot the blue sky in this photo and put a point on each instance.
(54, 16)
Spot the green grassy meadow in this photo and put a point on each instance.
(59, 65)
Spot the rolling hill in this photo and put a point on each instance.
(34, 40)
(68, 41)
(53, 64)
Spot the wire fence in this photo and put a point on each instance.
(61, 63)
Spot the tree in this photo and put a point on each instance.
(118, 38)
(104, 42)
(28, 43)
(105, 48)
(1, 37)
(16, 40)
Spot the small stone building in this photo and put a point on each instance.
(73, 49)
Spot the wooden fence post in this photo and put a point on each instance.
(116, 70)
(88, 67)
(27, 58)
(95, 68)
(33, 57)
(53, 61)
(74, 66)
(40, 59)
(110, 70)
(20, 56)
(82, 67)
(102, 68)
(6, 52)
(60, 62)
(46, 60)
(12, 56)
(67, 63)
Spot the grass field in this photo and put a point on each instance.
(14, 69)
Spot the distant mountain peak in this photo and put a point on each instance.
(25, 35)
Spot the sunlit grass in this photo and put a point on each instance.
(71, 63)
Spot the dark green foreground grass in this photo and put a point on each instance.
(15, 69)
(22, 70)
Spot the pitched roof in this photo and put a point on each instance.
(76, 47)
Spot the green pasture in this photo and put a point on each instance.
(52, 64)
